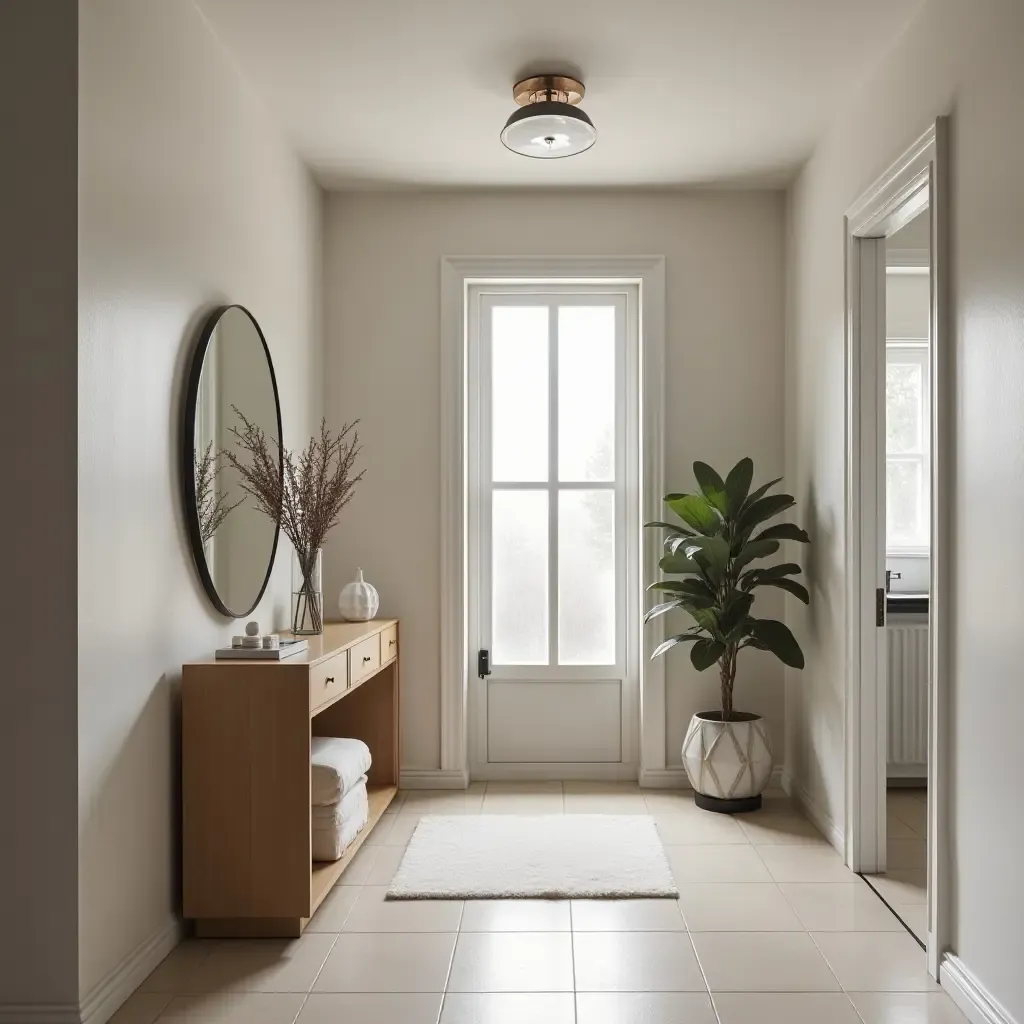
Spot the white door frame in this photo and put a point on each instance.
(918, 178)
(457, 274)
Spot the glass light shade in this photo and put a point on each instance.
(548, 130)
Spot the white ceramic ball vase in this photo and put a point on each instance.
(728, 763)
(358, 601)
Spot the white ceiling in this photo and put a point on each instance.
(406, 93)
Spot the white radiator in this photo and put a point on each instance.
(908, 699)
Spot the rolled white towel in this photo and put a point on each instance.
(337, 763)
(334, 826)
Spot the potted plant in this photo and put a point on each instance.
(727, 754)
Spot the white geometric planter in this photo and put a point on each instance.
(728, 763)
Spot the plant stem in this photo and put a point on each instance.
(727, 674)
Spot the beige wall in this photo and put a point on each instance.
(724, 264)
(38, 285)
(190, 197)
(963, 59)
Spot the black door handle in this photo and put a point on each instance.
(483, 664)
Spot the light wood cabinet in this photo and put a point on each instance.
(246, 729)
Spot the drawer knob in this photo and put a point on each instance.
(367, 658)
(328, 680)
(391, 643)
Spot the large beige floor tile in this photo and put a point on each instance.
(907, 1008)
(644, 1008)
(516, 916)
(876, 961)
(359, 867)
(174, 972)
(371, 1008)
(523, 798)
(385, 865)
(508, 1008)
(141, 1008)
(762, 962)
(443, 801)
(379, 832)
(705, 829)
(806, 864)
(915, 917)
(736, 907)
(902, 886)
(895, 828)
(838, 907)
(512, 962)
(733, 863)
(627, 916)
(402, 829)
(766, 828)
(331, 914)
(372, 913)
(234, 1008)
(906, 854)
(670, 801)
(635, 962)
(785, 1008)
(262, 965)
(362, 962)
(603, 798)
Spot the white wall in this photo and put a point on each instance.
(963, 59)
(38, 707)
(723, 383)
(189, 197)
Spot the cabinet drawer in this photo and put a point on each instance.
(365, 658)
(388, 644)
(328, 679)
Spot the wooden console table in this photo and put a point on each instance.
(246, 727)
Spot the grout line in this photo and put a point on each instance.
(892, 911)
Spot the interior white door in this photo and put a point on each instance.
(551, 493)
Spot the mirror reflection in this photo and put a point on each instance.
(233, 543)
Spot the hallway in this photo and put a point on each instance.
(770, 928)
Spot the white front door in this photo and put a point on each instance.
(554, 528)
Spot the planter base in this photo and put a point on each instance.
(714, 803)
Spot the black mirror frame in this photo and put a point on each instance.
(188, 479)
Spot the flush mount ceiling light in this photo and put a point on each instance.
(548, 123)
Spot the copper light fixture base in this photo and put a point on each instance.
(548, 88)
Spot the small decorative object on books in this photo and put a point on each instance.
(306, 499)
(726, 753)
(359, 600)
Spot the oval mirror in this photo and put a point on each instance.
(231, 377)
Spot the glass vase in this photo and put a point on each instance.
(307, 594)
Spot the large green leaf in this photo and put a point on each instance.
(737, 484)
(775, 572)
(706, 618)
(712, 486)
(661, 609)
(711, 552)
(754, 549)
(760, 492)
(735, 612)
(672, 641)
(704, 653)
(777, 638)
(695, 587)
(783, 531)
(679, 565)
(762, 509)
(796, 589)
(674, 527)
(694, 510)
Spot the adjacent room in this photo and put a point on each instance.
(514, 512)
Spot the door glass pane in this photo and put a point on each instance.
(519, 393)
(586, 577)
(905, 511)
(904, 394)
(519, 565)
(586, 393)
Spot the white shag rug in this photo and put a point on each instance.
(554, 856)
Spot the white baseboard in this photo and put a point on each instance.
(433, 778)
(818, 816)
(39, 1013)
(977, 1005)
(111, 991)
(555, 772)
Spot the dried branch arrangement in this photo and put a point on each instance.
(306, 499)
(211, 505)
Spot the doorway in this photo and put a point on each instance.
(898, 523)
(554, 528)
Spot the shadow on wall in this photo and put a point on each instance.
(823, 622)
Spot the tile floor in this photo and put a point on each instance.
(770, 928)
(904, 884)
